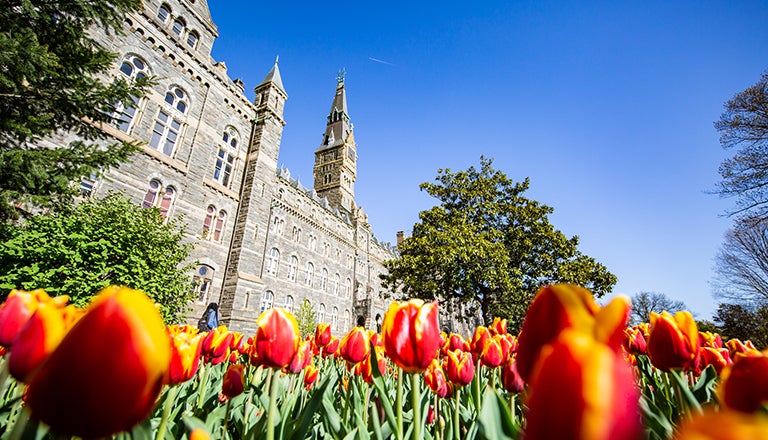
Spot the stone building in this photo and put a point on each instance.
(208, 153)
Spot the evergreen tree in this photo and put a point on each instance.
(486, 248)
(306, 317)
(79, 251)
(52, 81)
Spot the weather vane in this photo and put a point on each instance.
(340, 75)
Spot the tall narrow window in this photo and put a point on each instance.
(219, 229)
(336, 282)
(151, 197)
(123, 115)
(267, 301)
(321, 313)
(345, 321)
(167, 201)
(273, 260)
(210, 213)
(225, 158)
(334, 318)
(289, 303)
(324, 280)
(310, 277)
(293, 267)
(165, 133)
(201, 282)
(347, 287)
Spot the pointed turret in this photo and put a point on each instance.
(274, 77)
(335, 168)
(270, 94)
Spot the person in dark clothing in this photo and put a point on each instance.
(210, 319)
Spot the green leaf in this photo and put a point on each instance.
(495, 419)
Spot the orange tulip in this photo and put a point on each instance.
(719, 358)
(709, 339)
(411, 334)
(737, 346)
(674, 341)
(186, 351)
(565, 306)
(510, 378)
(322, 334)
(216, 345)
(635, 341)
(582, 389)
(39, 336)
(493, 352)
(744, 385)
(459, 367)
(233, 383)
(477, 344)
(301, 359)
(355, 346)
(276, 339)
(455, 342)
(332, 348)
(76, 390)
(498, 326)
(724, 425)
(18, 308)
(199, 434)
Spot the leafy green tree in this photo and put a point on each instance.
(96, 244)
(51, 82)
(486, 249)
(306, 318)
(743, 322)
(644, 303)
(744, 126)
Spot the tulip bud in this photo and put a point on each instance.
(234, 381)
(493, 353)
(434, 377)
(355, 346)
(216, 345)
(37, 339)
(322, 334)
(301, 359)
(674, 341)
(125, 322)
(744, 385)
(186, 350)
(411, 334)
(498, 326)
(332, 348)
(510, 378)
(310, 375)
(18, 308)
(459, 367)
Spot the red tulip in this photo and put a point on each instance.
(582, 389)
(276, 339)
(635, 341)
(18, 308)
(737, 346)
(510, 378)
(493, 352)
(434, 377)
(477, 344)
(310, 375)
(565, 306)
(332, 348)
(301, 359)
(498, 326)
(355, 346)
(744, 385)
(322, 334)
(233, 383)
(411, 334)
(186, 350)
(709, 339)
(76, 389)
(455, 342)
(216, 345)
(719, 358)
(674, 341)
(459, 367)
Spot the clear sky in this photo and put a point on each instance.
(608, 107)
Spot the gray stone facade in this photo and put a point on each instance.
(210, 155)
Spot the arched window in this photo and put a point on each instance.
(267, 301)
(310, 278)
(296, 234)
(163, 13)
(312, 244)
(167, 128)
(334, 318)
(123, 115)
(273, 259)
(345, 321)
(324, 279)
(279, 224)
(225, 158)
(219, 229)
(347, 288)
(210, 213)
(179, 26)
(289, 303)
(201, 282)
(293, 267)
(192, 39)
(152, 199)
(336, 282)
(321, 314)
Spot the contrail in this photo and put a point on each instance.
(380, 61)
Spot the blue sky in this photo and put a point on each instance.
(608, 108)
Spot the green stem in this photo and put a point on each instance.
(456, 424)
(247, 410)
(170, 399)
(416, 403)
(226, 418)
(512, 406)
(203, 385)
(20, 424)
(272, 405)
(399, 404)
(476, 387)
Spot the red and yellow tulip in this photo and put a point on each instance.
(411, 334)
(510, 378)
(674, 341)
(744, 385)
(355, 346)
(322, 334)
(459, 367)
(276, 339)
(233, 383)
(186, 351)
(724, 425)
(19, 307)
(127, 323)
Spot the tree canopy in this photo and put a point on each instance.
(743, 323)
(79, 251)
(51, 81)
(741, 265)
(487, 249)
(744, 126)
(644, 303)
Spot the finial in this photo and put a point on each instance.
(277, 58)
(340, 76)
